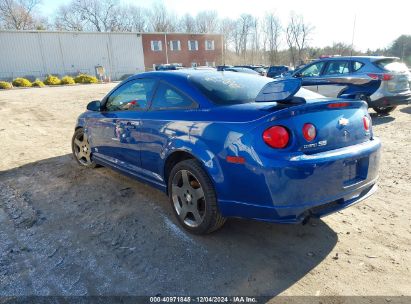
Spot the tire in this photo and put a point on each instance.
(81, 149)
(384, 110)
(193, 198)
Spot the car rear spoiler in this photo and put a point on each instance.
(281, 91)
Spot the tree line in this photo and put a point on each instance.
(247, 39)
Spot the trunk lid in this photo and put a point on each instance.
(338, 124)
(399, 81)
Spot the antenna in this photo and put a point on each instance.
(353, 32)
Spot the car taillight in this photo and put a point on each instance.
(366, 122)
(276, 137)
(338, 105)
(387, 77)
(383, 77)
(309, 132)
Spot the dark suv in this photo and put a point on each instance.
(381, 81)
(277, 71)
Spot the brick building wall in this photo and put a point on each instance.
(161, 48)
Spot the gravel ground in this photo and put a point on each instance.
(66, 230)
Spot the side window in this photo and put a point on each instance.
(192, 45)
(168, 98)
(133, 95)
(209, 45)
(356, 65)
(175, 45)
(337, 68)
(156, 45)
(312, 70)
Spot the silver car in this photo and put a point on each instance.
(383, 82)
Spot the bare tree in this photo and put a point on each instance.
(206, 22)
(130, 18)
(272, 28)
(245, 21)
(161, 20)
(69, 19)
(187, 24)
(255, 38)
(228, 30)
(291, 44)
(237, 37)
(297, 35)
(19, 15)
(93, 15)
(101, 16)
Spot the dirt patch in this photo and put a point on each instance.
(17, 207)
(66, 230)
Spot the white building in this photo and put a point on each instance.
(38, 53)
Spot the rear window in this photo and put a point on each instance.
(356, 65)
(392, 65)
(227, 88)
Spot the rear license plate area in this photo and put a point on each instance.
(355, 171)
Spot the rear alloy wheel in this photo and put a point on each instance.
(384, 110)
(81, 149)
(193, 198)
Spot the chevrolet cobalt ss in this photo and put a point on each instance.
(225, 144)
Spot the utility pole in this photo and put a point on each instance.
(165, 40)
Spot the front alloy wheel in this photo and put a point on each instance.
(81, 149)
(193, 198)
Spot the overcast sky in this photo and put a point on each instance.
(378, 23)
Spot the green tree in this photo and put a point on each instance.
(401, 47)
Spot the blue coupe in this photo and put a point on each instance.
(225, 144)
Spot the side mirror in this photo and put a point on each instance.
(94, 106)
(298, 75)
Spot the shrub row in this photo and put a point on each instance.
(50, 80)
(5, 85)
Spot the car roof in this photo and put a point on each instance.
(182, 74)
(368, 58)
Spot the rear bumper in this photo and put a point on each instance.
(298, 213)
(309, 185)
(394, 100)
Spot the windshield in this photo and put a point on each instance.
(226, 88)
(392, 65)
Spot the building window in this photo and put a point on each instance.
(192, 45)
(210, 63)
(156, 45)
(209, 45)
(175, 45)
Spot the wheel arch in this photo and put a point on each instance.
(351, 94)
(173, 159)
(206, 158)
